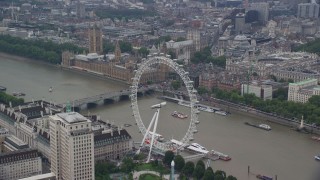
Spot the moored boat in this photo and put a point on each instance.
(184, 103)
(18, 94)
(179, 115)
(3, 88)
(221, 113)
(221, 156)
(260, 126)
(317, 157)
(264, 177)
(265, 126)
(315, 138)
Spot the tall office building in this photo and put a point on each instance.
(80, 9)
(72, 146)
(308, 10)
(263, 11)
(239, 23)
(95, 40)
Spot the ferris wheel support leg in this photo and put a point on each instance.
(153, 134)
(147, 132)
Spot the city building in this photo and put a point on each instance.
(80, 9)
(308, 10)
(20, 164)
(72, 146)
(115, 66)
(183, 50)
(194, 35)
(29, 122)
(260, 90)
(112, 144)
(95, 40)
(239, 24)
(263, 11)
(12, 143)
(303, 90)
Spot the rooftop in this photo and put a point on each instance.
(18, 155)
(304, 82)
(72, 117)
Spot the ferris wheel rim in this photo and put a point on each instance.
(146, 63)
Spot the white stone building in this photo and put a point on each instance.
(303, 90)
(308, 10)
(72, 146)
(262, 91)
(20, 164)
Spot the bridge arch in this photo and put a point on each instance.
(108, 101)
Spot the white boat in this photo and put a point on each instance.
(179, 143)
(221, 113)
(197, 122)
(184, 103)
(317, 157)
(264, 126)
(50, 89)
(196, 145)
(206, 109)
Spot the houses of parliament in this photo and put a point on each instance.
(115, 66)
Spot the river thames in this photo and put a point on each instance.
(281, 151)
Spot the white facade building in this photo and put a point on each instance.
(308, 10)
(20, 164)
(262, 91)
(72, 146)
(303, 90)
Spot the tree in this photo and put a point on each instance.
(188, 168)
(127, 165)
(168, 157)
(220, 173)
(172, 54)
(218, 177)
(108, 47)
(198, 171)
(202, 90)
(143, 51)
(208, 174)
(179, 162)
(315, 100)
(201, 163)
(176, 84)
(125, 46)
(231, 178)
